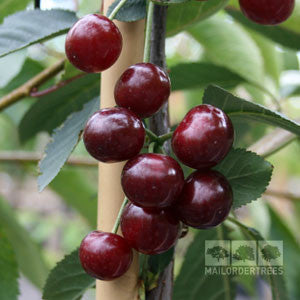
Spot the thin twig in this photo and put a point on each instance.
(148, 32)
(34, 157)
(25, 89)
(281, 194)
(118, 220)
(55, 87)
(272, 142)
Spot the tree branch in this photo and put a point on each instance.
(281, 194)
(25, 89)
(159, 124)
(272, 142)
(55, 87)
(34, 157)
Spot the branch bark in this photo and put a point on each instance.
(34, 157)
(25, 89)
(272, 142)
(159, 124)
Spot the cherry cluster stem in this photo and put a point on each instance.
(118, 220)
(116, 9)
(148, 32)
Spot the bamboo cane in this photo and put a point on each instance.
(110, 194)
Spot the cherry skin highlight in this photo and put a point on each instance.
(114, 134)
(267, 12)
(149, 231)
(205, 201)
(143, 88)
(105, 255)
(93, 44)
(203, 138)
(152, 180)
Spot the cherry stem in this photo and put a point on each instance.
(148, 32)
(151, 147)
(116, 9)
(35, 93)
(153, 137)
(117, 223)
(162, 150)
(165, 137)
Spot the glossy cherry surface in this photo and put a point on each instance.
(205, 201)
(105, 255)
(149, 231)
(267, 12)
(93, 44)
(152, 180)
(114, 134)
(143, 88)
(203, 138)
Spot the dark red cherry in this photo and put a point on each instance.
(114, 134)
(203, 138)
(205, 201)
(143, 88)
(152, 180)
(267, 12)
(105, 255)
(93, 44)
(149, 231)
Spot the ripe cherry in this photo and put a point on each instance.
(105, 255)
(205, 201)
(149, 231)
(114, 134)
(267, 12)
(152, 180)
(93, 44)
(143, 88)
(203, 138)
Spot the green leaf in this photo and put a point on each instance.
(70, 71)
(33, 26)
(278, 34)
(199, 75)
(192, 283)
(276, 281)
(28, 254)
(281, 232)
(9, 288)
(8, 7)
(10, 66)
(64, 140)
(78, 192)
(182, 16)
(68, 280)
(29, 69)
(132, 10)
(271, 56)
(248, 174)
(242, 109)
(290, 60)
(230, 47)
(48, 112)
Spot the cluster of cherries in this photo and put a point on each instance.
(160, 198)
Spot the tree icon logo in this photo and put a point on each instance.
(244, 252)
(270, 252)
(218, 252)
